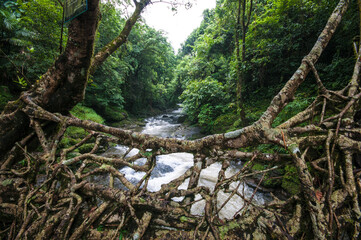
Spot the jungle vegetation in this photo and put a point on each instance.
(276, 84)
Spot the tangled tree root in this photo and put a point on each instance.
(46, 192)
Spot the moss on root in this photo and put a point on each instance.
(285, 178)
(73, 134)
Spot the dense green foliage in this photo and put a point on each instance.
(204, 100)
(29, 40)
(281, 33)
(137, 78)
(5, 96)
(144, 74)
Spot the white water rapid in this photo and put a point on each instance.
(171, 166)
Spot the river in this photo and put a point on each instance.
(171, 166)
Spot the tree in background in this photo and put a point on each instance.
(278, 35)
(244, 12)
(151, 59)
(142, 65)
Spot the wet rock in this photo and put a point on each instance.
(181, 119)
(115, 152)
(161, 169)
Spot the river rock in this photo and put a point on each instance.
(115, 152)
(161, 169)
(181, 119)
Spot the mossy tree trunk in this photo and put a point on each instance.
(243, 21)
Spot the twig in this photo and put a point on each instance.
(251, 198)
(143, 225)
(89, 221)
(315, 166)
(121, 224)
(320, 85)
(132, 213)
(28, 168)
(196, 231)
(323, 110)
(284, 140)
(206, 233)
(25, 224)
(229, 197)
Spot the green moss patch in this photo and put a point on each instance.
(285, 177)
(85, 113)
(290, 181)
(225, 122)
(225, 229)
(75, 134)
(114, 114)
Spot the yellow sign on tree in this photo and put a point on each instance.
(74, 8)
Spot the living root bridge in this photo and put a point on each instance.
(48, 192)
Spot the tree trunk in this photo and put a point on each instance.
(63, 86)
(239, 74)
(243, 22)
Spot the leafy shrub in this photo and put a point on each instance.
(226, 121)
(299, 104)
(204, 101)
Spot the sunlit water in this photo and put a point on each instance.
(168, 125)
(169, 167)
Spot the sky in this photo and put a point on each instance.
(177, 26)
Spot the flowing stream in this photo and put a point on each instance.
(171, 166)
